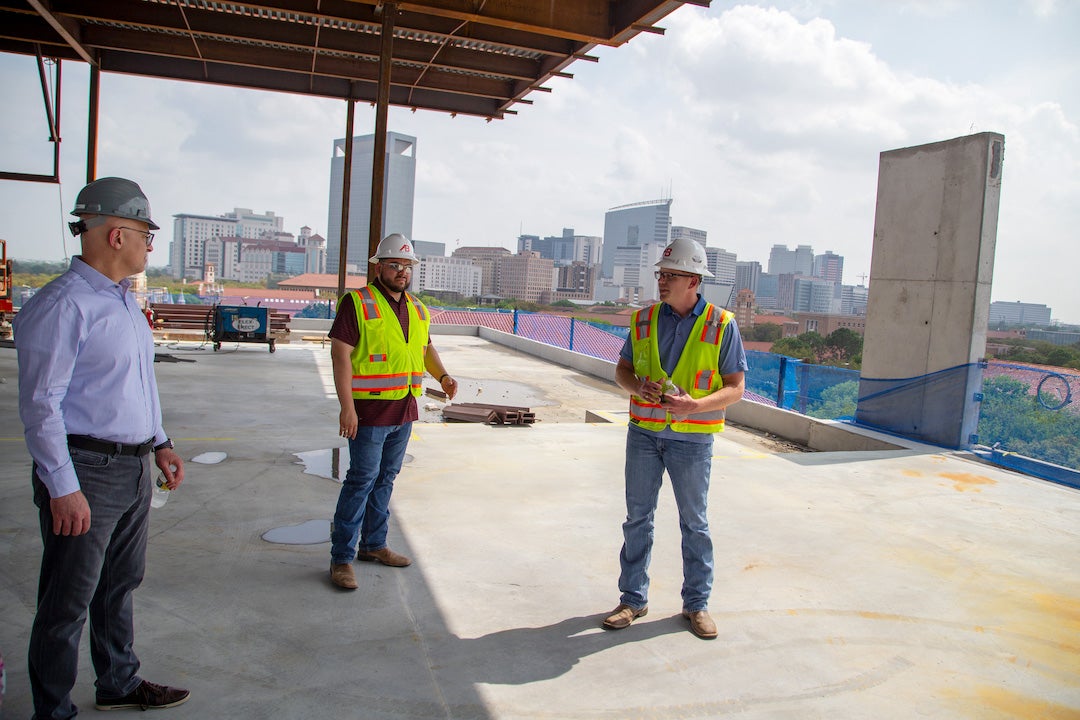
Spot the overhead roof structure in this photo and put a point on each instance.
(475, 57)
(472, 57)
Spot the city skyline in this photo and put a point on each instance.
(764, 121)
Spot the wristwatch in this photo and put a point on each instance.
(167, 444)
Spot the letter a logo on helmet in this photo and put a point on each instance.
(394, 246)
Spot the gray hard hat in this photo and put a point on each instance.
(115, 197)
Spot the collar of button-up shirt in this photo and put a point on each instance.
(672, 332)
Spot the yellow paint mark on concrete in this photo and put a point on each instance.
(912, 473)
(963, 482)
(1065, 609)
(1015, 705)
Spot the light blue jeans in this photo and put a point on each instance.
(689, 465)
(363, 508)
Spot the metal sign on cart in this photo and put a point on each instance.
(241, 323)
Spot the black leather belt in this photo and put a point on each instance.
(84, 442)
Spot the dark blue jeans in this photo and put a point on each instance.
(95, 572)
(363, 508)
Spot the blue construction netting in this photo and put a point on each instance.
(1032, 411)
(1029, 416)
(821, 391)
(588, 338)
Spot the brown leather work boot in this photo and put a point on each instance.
(343, 576)
(623, 615)
(701, 624)
(386, 556)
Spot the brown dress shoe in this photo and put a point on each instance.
(386, 556)
(145, 696)
(343, 576)
(701, 624)
(623, 615)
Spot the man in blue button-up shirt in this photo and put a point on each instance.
(89, 402)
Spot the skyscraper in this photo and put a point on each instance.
(747, 274)
(799, 261)
(634, 225)
(397, 208)
(721, 264)
(829, 266)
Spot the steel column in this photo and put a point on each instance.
(378, 161)
(346, 189)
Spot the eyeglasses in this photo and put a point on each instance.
(149, 235)
(669, 276)
(398, 267)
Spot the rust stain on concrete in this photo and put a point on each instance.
(963, 482)
(1005, 703)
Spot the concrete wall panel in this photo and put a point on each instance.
(934, 237)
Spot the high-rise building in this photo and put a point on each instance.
(587, 249)
(747, 274)
(525, 276)
(187, 257)
(488, 259)
(799, 261)
(853, 299)
(397, 208)
(681, 231)
(1018, 313)
(721, 264)
(634, 225)
(448, 275)
(560, 249)
(426, 248)
(829, 266)
(634, 270)
(576, 281)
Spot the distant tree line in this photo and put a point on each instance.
(841, 348)
(1040, 352)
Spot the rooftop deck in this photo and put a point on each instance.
(885, 584)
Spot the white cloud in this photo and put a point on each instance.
(765, 124)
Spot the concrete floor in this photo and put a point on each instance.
(899, 584)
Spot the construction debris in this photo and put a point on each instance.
(493, 414)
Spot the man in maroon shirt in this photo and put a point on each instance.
(375, 377)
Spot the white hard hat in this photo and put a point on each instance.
(686, 255)
(394, 246)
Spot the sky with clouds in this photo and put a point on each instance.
(763, 121)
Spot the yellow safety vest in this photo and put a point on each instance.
(696, 373)
(385, 365)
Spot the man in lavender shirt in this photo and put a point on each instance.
(88, 401)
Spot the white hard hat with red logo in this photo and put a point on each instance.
(686, 255)
(394, 246)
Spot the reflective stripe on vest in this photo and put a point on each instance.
(385, 383)
(370, 306)
(696, 372)
(643, 326)
(714, 326)
(385, 364)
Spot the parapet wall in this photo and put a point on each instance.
(820, 435)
